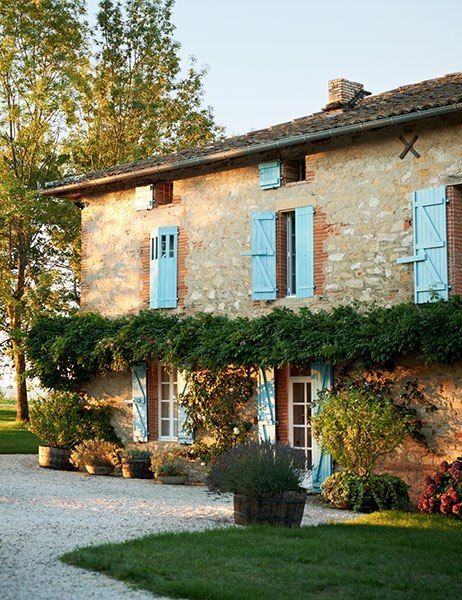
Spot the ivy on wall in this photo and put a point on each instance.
(64, 352)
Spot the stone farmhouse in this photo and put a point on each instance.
(361, 201)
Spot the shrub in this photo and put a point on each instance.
(365, 492)
(255, 469)
(63, 419)
(134, 454)
(443, 491)
(357, 427)
(170, 459)
(95, 453)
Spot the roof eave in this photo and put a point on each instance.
(86, 184)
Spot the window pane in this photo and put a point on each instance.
(163, 246)
(309, 459)
(171, 240)
(175, 428)
(164, 374)
(165, 410)
(299, 437)
(164, 428)
(298, 392)
(299, 414)
(165, 391)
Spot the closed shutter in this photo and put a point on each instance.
(164, 268)
(144, 197)
(266, 406)
(264, 255)
(304, 255)
(321, 379)
(140, 403)
(430, 244)
(270, 174)
(184, 436)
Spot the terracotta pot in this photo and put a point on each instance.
(55, 458)
(280, 510)
(172, 479)
(137, 469)
(99, 469)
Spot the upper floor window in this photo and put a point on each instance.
(291, 245)
(279, 172)
(157, 194)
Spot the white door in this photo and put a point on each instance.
(300, 413)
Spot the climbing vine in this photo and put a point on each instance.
(66, 351)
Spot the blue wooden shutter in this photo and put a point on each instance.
(304, 254)
(430, 245)
(321, 379)
(164, 268)
(266, 406)
(184, 436)
(264, 255)
(140, 403)
(270, 174)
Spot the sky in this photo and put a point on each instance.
(270, 60)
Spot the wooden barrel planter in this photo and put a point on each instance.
(99, 469)
(278, 509)
(137, 469)
(55, 458)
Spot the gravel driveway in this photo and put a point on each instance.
(44, 513)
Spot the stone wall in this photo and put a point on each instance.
(362, 194)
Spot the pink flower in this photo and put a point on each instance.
(430, 489)
(439, 478)
(444, 466)
(457, 509)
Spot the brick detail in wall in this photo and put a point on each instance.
(281, 255)
(454, 220)
(145, 250)
(282, 404)
(153, 404)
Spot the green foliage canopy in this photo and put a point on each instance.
(67, 351)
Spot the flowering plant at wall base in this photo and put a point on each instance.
(365, 493)
(96, 453)
(64, 352)
(443, 491)
(170, 460)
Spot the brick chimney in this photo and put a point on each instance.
(343, 94)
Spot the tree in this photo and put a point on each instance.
(138, 102)
(43, 61)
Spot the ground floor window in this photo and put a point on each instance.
(168, 403)
(300, 411)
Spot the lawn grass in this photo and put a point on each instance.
(383, 555)
(14, 437)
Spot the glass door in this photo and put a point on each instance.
(300, 411)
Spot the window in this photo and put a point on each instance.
(163, 193)
(168, 406)
(293, 170)
(291, 245)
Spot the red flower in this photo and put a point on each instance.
(457, 509)
(439, 478)
(430, 489)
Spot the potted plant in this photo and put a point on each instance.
(265, 480)
(98, 457)
(170, 464)
(136, 464)
(57, 421)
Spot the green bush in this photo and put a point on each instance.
(63, 419)
(254, 469)
(365, 493)
(358, 426)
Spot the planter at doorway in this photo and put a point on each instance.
(137, 468)
(55, 458)
(284, 509)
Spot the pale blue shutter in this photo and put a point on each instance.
(430, 244)
(264, 255)
(184, 436)
(140, 403)
(304, 253)
(321, 379)
(270, 174)
(164, 268)
(266, 406)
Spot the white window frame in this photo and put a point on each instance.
(172, 418)
(313, 445)
(291, 249)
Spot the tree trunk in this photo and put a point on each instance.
(22, 405)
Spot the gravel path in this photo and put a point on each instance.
(44, 513)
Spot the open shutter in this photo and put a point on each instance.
(164, 268)
(430, 244)
(270, 174)
(140, 403)
(184, 436)
(266, 406)
(264, 255)
(321, 379)
(144, 197)
(304, 255)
